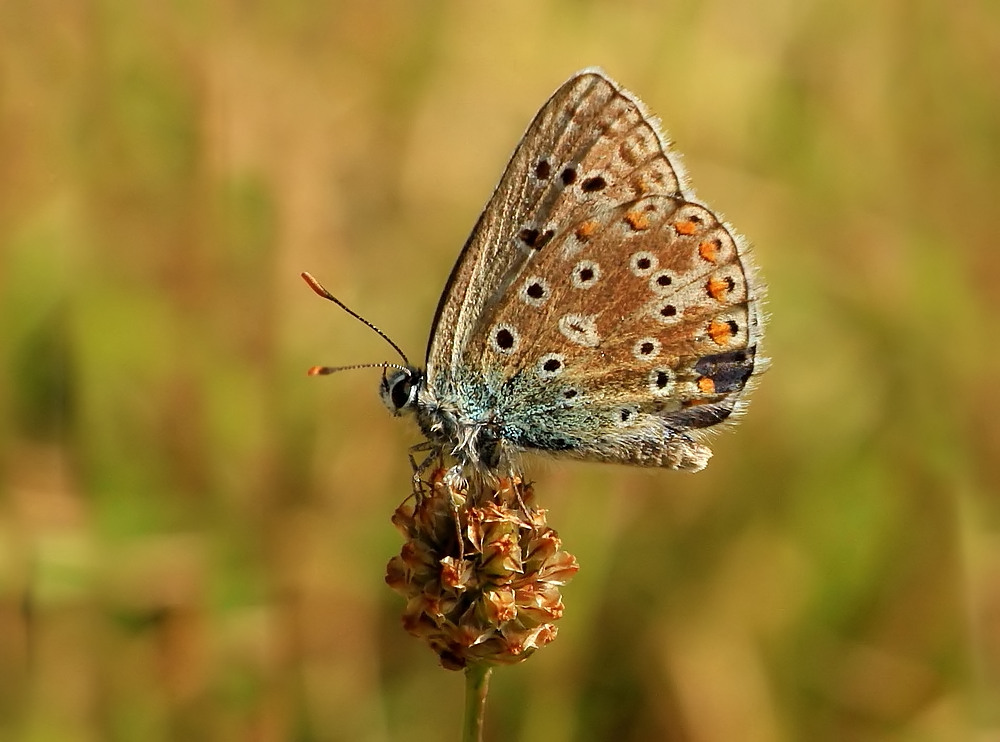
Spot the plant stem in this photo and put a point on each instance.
(477, 685)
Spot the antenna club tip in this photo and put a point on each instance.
(318, 371)
(316, 286)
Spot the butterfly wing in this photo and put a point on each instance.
(597, 311)
(638, 329)
(549, 177)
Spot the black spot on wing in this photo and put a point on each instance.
(534, 238)
(702, 416)
(730, 371)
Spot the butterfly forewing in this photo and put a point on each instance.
(590, 144)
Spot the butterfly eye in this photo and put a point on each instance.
(399, 391)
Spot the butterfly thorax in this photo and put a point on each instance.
(473, 436)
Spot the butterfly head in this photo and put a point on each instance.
(400, 388)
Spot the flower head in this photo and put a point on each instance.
(480, 570)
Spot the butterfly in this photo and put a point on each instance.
(598, 311)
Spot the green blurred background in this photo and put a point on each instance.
(193, 534)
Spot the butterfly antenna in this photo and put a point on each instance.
(321, 290)
(325, 370)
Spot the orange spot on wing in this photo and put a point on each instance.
(709, 251)
(717, 288)
(685, 227)
(707, 385)
(637, 220)
(720, 331)
(586, 230)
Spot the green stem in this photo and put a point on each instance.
(477, 685)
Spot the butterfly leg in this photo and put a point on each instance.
(435, 453)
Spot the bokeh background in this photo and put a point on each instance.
(193, 534)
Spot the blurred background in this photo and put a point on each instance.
(193, 534)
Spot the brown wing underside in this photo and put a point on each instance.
(606, 312)
(647, 302)
(587, 133)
